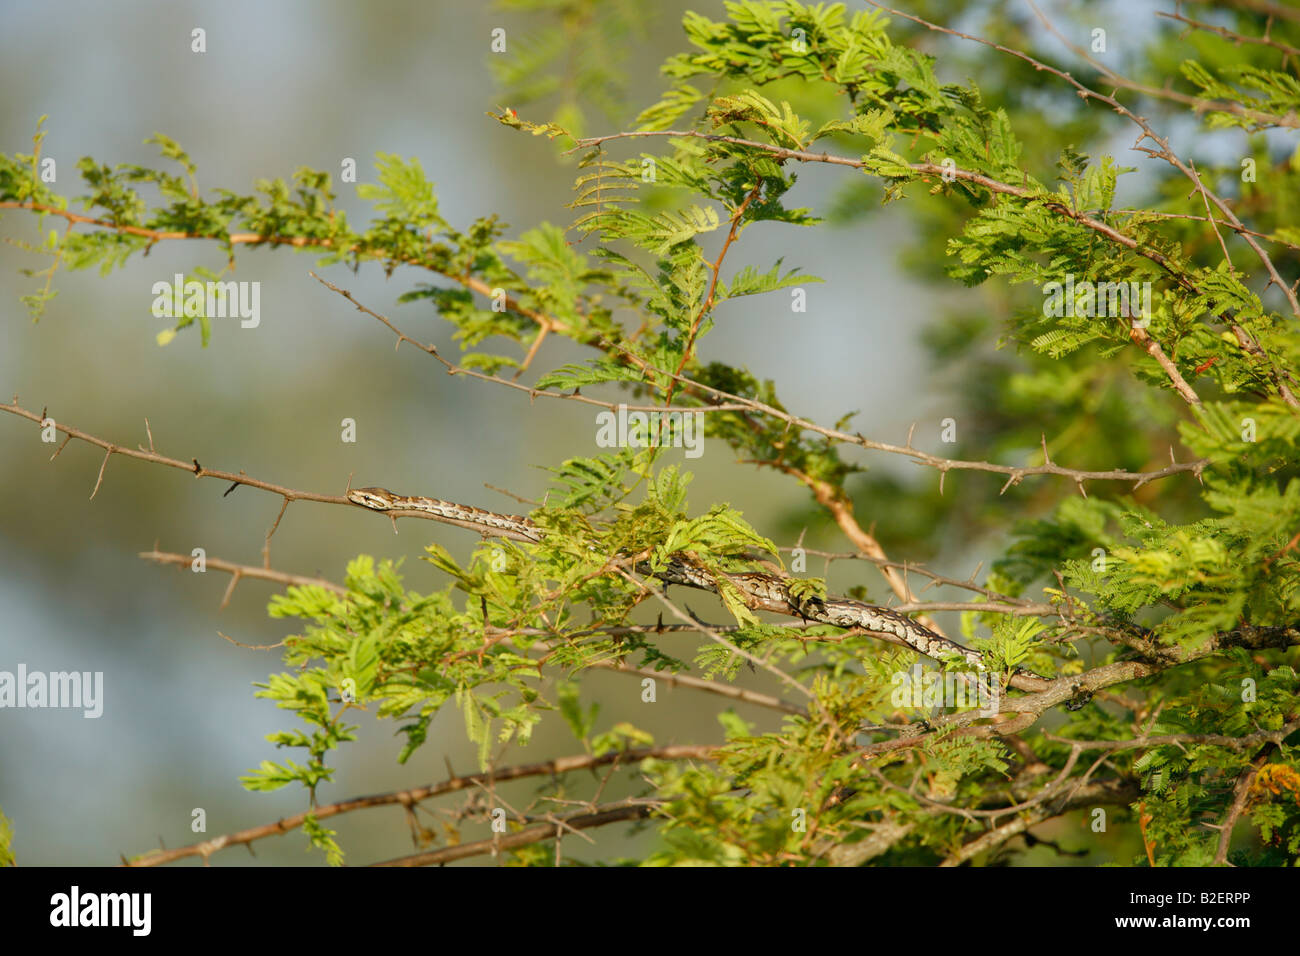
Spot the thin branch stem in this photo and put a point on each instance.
(410, 797)
(1230, 34)
(609, 813)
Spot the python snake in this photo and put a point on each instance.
(765, 592)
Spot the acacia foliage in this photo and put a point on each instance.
(1196, 580)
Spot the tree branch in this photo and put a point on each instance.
(606, 814)
(408, 798)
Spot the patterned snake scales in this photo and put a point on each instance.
(764, 592)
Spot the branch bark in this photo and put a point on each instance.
(408, 798)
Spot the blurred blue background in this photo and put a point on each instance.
(283, 85)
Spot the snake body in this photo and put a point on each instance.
(760, 591)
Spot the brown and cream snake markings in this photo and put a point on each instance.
(765, 592)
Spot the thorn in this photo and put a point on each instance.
(1079, 482)
(1047, 459)
(230, 589)
(98, 481)
(233, 486)
(393, 519)
(59, 450)
(909, 434)
(943, 473)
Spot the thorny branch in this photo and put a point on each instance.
(414, 795)
(1024, 710)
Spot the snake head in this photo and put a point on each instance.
(376, 498)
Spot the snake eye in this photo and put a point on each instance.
(370, 497)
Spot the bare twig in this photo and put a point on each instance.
(1232, 35)
(1240, 795)
(245, 570)
(610, 813)
(1102, 792)
(416, 794)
